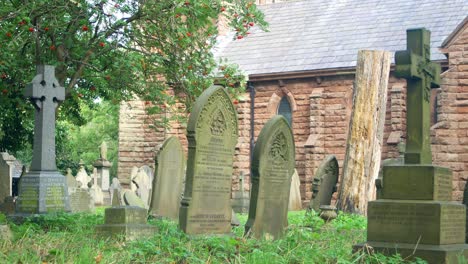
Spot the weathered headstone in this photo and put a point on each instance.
(115, 191)
(212, 134)
(169, 180)
(131, 199)
(18, 170)
(295, 201)
(416, 217)
(144, 186)
(43, 189)
(82, 176)
(81, 201)
(241, 198)
(127, 221)
(95, 190)
(272, 168)
(6, 171)
(71, 181)
(324, 184)
(8, 206)
(103, 167)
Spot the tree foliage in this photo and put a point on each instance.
(113, 50)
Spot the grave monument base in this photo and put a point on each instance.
(448, 254)
(127, 221)
(42, 192)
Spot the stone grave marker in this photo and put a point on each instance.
(82, 176)
(387, 162)
(80, 199)
(6, 171)
(115, 191)
(272, 168)
(295, 201)
(143, 185)
(169, 180)
(18, 170)
(131, 199)
(212, 134)
(43, 189)
(8, 206)
(103, 167)
(127, 221)
(324, 183)
(416, 217)
(95, 190)
(241, 198)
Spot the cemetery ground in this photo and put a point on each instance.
(70, 238)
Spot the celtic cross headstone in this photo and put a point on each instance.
(415, 215)
(414, 64)
(43, 189)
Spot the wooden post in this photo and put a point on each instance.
(365, 135)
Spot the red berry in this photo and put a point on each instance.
(4, 91)
(22, 22)
(189, 34)
(236, 15)
(231, 85)
(80, 95)
(223, 9)
(187, 3)
(46, 29)
(3, 76)
(107, 77)
(117, 6)
(189, 67)
(84, 28)
(31, 29)
(235, 102)
(102, 44)
(240, 37)
(251, 24)
(92, 88)
(8, 34)
(52, 47)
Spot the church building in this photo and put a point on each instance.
(303, 68)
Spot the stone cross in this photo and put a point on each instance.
(421, 74)
(45, 93)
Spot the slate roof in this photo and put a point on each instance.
(327, 34)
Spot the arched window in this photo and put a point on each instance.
(284, 109)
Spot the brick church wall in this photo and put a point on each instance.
(321, 107)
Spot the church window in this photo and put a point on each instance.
(284, 109)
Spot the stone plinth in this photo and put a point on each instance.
(42, 192)
(103, 167)
(127, 221)
(6, 171)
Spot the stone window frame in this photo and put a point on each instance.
(275, 100)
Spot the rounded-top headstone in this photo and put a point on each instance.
(272, 168)
(324, 184)
(212, 134)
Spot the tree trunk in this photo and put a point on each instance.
(365, 135)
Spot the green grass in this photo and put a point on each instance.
(70, 238)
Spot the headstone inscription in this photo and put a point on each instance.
(212, 134)
(127, 221)
(295, 201)
(324, 183)
(43, 189)
(169, 180)
(416, 217)
(272, 168)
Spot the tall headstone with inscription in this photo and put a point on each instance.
(272, 168)
(324, 184)
(212, 135)
(169, 180)
(415, 216)
(43, 189)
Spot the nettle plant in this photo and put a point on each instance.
(114, 50)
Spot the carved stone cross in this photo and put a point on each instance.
(45, 93)
(421, 74)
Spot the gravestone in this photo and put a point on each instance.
(127, 221)
(82, 176)
(131, 199)
(295, 201)
(103, 167)
(95, 190)
(212, 135)
(143, 185)
(115, 191)
(241, 198)
(80, 199)
(8, 206)
(169, 180)
(18, 170)
(324, 183)
(416, 217)
(6, 172)
(387, 162)
(272, 168)
(43, 189)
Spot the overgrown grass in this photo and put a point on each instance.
(70, 238)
